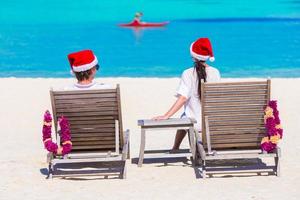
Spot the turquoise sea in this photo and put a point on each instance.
(250, 38)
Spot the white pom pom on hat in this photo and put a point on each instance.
(201, 49)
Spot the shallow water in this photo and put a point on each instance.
(249, 40)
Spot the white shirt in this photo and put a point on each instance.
(92, 86)
(188, 87)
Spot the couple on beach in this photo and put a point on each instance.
(84, 65)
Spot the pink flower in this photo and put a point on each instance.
(268, 146)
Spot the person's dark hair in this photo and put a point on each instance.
(199, 66)
(85, 75)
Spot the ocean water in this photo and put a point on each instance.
(250, 39)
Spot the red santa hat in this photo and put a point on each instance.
(201, 50)
(82, 60)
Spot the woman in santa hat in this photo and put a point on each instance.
(189, 90)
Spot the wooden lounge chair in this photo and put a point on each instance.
(233, 123)
(96, 129)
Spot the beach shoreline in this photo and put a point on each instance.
(23, 158)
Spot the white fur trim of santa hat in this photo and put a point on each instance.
(85, 67)
(200, 57)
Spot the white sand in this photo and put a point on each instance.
(22, 156)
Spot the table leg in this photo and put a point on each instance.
(192, 142)
(142, 147)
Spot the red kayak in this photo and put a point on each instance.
(144, 24)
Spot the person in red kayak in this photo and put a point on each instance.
(137, 17)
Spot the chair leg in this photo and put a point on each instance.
(192, 144)
(128, 153)
(142, 148)
(124, 171)
(50, 171)
(203, 169)
(277, 165)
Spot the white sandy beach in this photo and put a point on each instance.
(23, 158)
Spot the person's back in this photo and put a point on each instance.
(188, 87)
(91, 86)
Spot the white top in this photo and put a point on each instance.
(188, 87)
(92, 86)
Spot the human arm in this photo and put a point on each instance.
(183, 93)
(175, 107)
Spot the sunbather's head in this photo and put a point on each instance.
(84, 64)
(201, 51)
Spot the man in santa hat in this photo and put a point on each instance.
(84, 65)
(189, 90)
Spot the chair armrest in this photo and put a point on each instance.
(125, 148)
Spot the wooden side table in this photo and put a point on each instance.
(184, 123)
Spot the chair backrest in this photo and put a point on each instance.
(94, 115)
(235, 113)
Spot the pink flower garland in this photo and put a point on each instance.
(273, 127)
(65, 135)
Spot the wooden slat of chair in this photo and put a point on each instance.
(233, 93)
(86, 114)
(84, 96)
(93, 147)
(237, 122)
(85, 109)
(94, 142)
(81, 131)
(93, 138)
(230, 84)
(92, 126)
(221, 101)
(91, 118)
(233, 113)
(233, 108)
(86, 122)
(229, 146)
(76, 92)
(237, 117)
(237, 88)
(83, 102)
(91, 135)
(240, 131)
(236, 140)
(235, 136)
